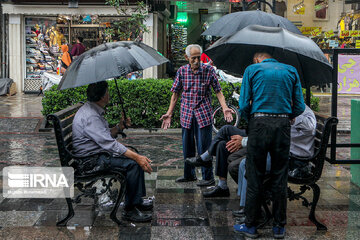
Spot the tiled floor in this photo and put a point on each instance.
(180, 210)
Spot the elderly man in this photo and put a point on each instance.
(271, 96)
(194, 81)
(92, 135)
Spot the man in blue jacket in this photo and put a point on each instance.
(271, 97)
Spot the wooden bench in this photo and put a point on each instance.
(323, 132)
(62, 123)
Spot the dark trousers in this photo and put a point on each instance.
(267, 134)
(202, 138)
(234, 161)
(135, 181)
(218, 148)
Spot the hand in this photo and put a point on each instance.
(228, 112)
(127, 122)
(166, 121)
(234, 144)
(144, 163)
(292, 121)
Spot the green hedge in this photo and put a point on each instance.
(145, 100)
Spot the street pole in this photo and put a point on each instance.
(334, 92)
(3, 48)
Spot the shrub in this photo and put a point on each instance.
(314, 101)
(145, 101)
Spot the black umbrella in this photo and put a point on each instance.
(234, 53)
(233, 22)
(110, 60)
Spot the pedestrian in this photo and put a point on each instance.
(205, 58)
(271, 97)
(301, 147)
(66, 58)
(194, 82)
(78, 48)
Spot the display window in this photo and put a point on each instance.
(42, 41)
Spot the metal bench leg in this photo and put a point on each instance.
(70, 214)
(118, 200)
(316, 192)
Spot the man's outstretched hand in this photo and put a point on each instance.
(166, 118)
(228, 114)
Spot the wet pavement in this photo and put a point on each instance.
(180, 211)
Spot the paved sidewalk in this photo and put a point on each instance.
(180, 210)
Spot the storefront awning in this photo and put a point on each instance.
(53, 10)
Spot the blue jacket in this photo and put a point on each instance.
(271, 87)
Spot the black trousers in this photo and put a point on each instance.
(267, 134)
(234, 161)
(135, 180)
(218, 148)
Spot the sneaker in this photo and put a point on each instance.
(250, 232)
(278, 232)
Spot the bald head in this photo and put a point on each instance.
(260, 56)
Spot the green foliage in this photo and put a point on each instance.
(314, 101)
(129, 26)
(56, 100)
(145, 101)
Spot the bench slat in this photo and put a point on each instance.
(68, 140)
(320, 117)
(67, 130)
(320, 126)
(67, 121)
(65, 112)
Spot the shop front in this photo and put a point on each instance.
(37, 32)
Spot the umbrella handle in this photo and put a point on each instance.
(122, 106)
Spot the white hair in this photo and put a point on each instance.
(189, 47)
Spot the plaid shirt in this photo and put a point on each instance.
(196, 94)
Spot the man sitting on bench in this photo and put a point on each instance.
(92, 135)
(230, 142)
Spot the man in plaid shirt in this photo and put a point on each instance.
(194, 81)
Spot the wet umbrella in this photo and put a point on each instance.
(234, 53)
(233, 22)
(110, 60)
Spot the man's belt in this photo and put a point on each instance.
(270, 115)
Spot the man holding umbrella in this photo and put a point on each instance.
(195, 80)
(271, 96)
(91, 135)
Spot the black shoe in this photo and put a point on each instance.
(135, 215)
(198, 162)
(182, 179)
(217, 192)
(239, 213)
(146, 205)
(205, 183)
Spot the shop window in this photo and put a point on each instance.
(42, 40)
